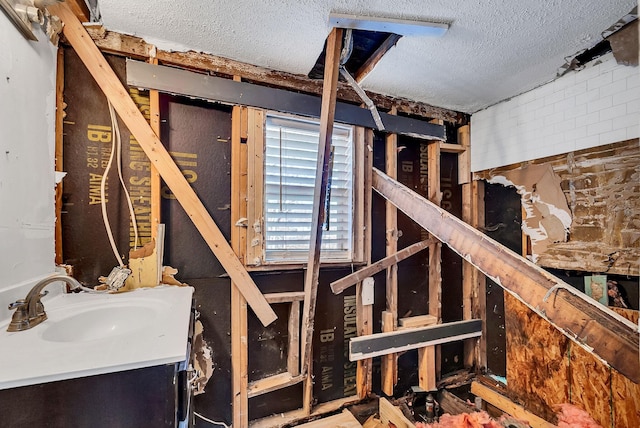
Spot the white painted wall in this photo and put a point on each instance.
(27, 141)
(592, 107)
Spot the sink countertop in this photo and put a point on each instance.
(47, 353)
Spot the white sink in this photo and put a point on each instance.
(87, 334)
(98, 323)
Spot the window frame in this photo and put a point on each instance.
(255, 243)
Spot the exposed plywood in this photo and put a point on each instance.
(590, 385)
(537, 367)
(625, 396)
(601, 191)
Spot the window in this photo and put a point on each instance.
(290, 156)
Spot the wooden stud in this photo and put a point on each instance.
(239, 342)
(464, 178)
(332, 60)
(508, 406)
(429, 358)
(156, 196)
(452, 148)
(389, 370)
(59, 166)
(388, 360)
(364, 324)
(359, 226)
(255, 183)
(293, 353)
(286, 297)
(375, 57)
(478, 280)
(342, 284)
(100, 69)
(595, 327)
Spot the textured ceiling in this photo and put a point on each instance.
(493, 50)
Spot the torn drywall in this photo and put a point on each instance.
(547, 217)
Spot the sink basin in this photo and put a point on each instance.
(99, 323)
(88, 334)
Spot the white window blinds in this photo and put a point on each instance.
(291, 151)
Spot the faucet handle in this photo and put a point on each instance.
(18, 304)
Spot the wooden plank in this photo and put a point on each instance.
(359, 225)
(293, 327)
(80, 10)
(364, 324)
(464, 179)
(389, 368)
(285, 297)
(156, 197)
(479, 303)
(158, 155)
(290, 418)
(188, 83)
(387, 343)
(239, 359)
(332, 60)
(390, 414)
(255, 194)
(342, 420)
(272, 383)
(508, 406)
(239, 329)
(338, 286)
(429, 359)
(375, 57)
(583, 320)
(418, 321)
(364, 313)
(452, 148)
(60, 113)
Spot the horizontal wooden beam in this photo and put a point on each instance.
(288, 297)
(417, 321)
(119, 97)
(393, 342)
(596, 328)
(183, 82)
(136, 47)
(503, 403)
(342, 284)
(272, 383)
(452, 148)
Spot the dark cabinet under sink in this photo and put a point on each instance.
(152, 397)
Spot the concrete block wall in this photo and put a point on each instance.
(591, 107)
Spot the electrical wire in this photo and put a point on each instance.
(116, 146)
(103, 200)
(211, 421)
(116, 127)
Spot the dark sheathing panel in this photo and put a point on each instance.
(503, 217)
(198, 135)
(213, 297)
(86, 147)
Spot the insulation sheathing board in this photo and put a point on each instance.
(87, 146)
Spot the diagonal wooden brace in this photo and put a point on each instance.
(159, 156)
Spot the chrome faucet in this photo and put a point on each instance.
(30, 310)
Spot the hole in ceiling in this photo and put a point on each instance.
(366, 45)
